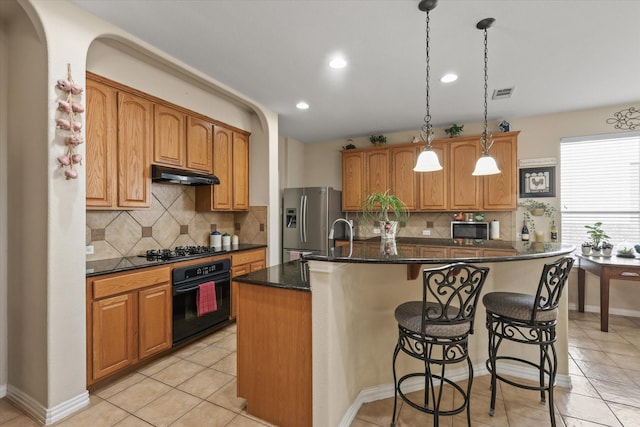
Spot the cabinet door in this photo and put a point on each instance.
(135, 131)
(352, 180)
(154, 320)
(114, 329)
(240, 171)
(404, 181)
(219, 197)
(501, 190)
(169, 136)
(434, 186)
(101, 145)
(376, 171)
(465, 189)
(434, 252)
(199, 145)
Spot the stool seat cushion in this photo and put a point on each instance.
(516, 306)
(409, 316)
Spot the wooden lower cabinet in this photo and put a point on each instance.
(243, 263)
(274, 354)
(128, 319)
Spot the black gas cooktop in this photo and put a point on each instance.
(179, 252)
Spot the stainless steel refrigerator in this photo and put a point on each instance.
(307, 215)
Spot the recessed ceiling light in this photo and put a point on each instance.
(338, 62)
(302, 105)
(448, 78)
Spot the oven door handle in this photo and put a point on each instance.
(185, 290)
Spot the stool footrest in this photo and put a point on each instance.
(429, 410)
(521, 385)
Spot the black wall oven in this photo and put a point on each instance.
(187, 325)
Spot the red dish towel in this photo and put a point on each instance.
(206, 301)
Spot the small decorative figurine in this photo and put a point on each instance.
(504, 126)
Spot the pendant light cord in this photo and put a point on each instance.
(486, 145)
(427, 130)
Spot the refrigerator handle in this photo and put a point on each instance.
(304, 219)
(301, 223)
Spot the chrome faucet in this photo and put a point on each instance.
(349, 223)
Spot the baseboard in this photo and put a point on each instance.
(3, 390)
(414, 384)
(46, 415)
(612, 310)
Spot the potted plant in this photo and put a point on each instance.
(378, 140)
(607, 248)
(454, 130)
(378, 206)
(597, 235)
(586, 248)
(536, 208)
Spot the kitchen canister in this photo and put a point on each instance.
(226, 239)
(494, 230)
(234, 240)
(215, 240)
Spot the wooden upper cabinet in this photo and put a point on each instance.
(376, 171)
(101, 145)
(352, 180)
(501, 190)
(135, 136)
(231, 166)
(434, 186)
(240, 171)
(199, 145)
(465, 189)
(404, 181)
(169, 136)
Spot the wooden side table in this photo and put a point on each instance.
(606, 268)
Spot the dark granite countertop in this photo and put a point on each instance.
(116, 265)
(437, 251)
(290, 275)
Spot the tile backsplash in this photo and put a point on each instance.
(170, 221)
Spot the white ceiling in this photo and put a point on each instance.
(560, 55)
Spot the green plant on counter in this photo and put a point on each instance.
(533, 207)
(378, 206)
(597, 234)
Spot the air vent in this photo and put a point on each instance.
(503, 93)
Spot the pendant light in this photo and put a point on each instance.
(486, 165)
(428, 159)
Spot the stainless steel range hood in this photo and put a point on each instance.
(165, 175)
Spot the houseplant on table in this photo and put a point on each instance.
(597, 235)
(378, 206)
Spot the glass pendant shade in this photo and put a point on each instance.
(486, 165)
(427, 161)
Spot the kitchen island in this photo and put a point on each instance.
(350, 326)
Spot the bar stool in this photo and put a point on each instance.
(435, 331)
(528, 319)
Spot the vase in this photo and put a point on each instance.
(537, 211)
(388, 230)
(586, 250)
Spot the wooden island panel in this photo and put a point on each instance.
(274, 354)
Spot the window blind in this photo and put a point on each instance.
(600, 181)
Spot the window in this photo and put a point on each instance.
(600, 181)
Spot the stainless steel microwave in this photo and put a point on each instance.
(469, 230)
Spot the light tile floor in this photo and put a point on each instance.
(196, 386)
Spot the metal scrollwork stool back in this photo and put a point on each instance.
(435, 331)
(528, 319)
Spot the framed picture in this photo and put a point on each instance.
(538, 182)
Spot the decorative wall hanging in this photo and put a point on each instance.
(538, 182)
(69, 124)
(627, 119)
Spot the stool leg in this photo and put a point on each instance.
(492, 363)
(467, 397)
(543, 362)
(552, 379)
(395, 385)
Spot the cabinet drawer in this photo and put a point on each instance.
(130, 281)
(622, 273)
(247, 257)
(239, 270)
